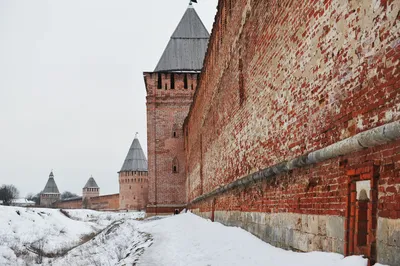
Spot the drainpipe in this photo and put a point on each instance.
(367, 139)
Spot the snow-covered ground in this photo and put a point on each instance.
(187, 239)
(105, 238)
(25, 232)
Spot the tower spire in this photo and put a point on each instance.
(187, 46)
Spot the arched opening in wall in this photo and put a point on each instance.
(362, 219)
(175, 130)
(175, 165)
(361, 214)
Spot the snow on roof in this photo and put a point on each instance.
(22, 201)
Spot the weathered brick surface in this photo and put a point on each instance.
(314, 74)
(106, 202)
(133, 190)
(49, 199)
(90, 192)
(316, 189)
(284, 78)
(70, 204)
(167, 108)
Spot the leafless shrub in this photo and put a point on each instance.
(119, 252)
(38, 246)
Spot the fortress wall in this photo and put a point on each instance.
(282, 79)
(105, 203)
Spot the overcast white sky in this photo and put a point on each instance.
(72, 94)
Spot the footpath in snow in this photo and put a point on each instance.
(187, 239)
(91, 238)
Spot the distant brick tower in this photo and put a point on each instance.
(91, 189)
(133, 179)
(170, 89)
(50, 193)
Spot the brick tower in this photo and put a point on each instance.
(50, 193)
(91, 189)
(170, 89)
(133, 179)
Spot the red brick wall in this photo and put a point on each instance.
(285, 78)
(313, 73)
(106, 202)
(166, 111)
(320, 188)
(72, 204)
(133, 190)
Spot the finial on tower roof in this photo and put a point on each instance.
(136, 135)
(191, 3)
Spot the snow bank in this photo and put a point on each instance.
(184, 239)
(103, 218)
(22, 228)
(119, 244)
(187, 239)
(23, 231)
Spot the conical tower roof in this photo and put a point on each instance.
(51, 186)
(187, 46)
(135, 159)
(91, 183)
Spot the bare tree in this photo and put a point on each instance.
(8, 193)
(68, 195)
(34, 197)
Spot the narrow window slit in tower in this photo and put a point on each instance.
(241, 82)
(185, 81)
(172, 81)
(159, 81)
